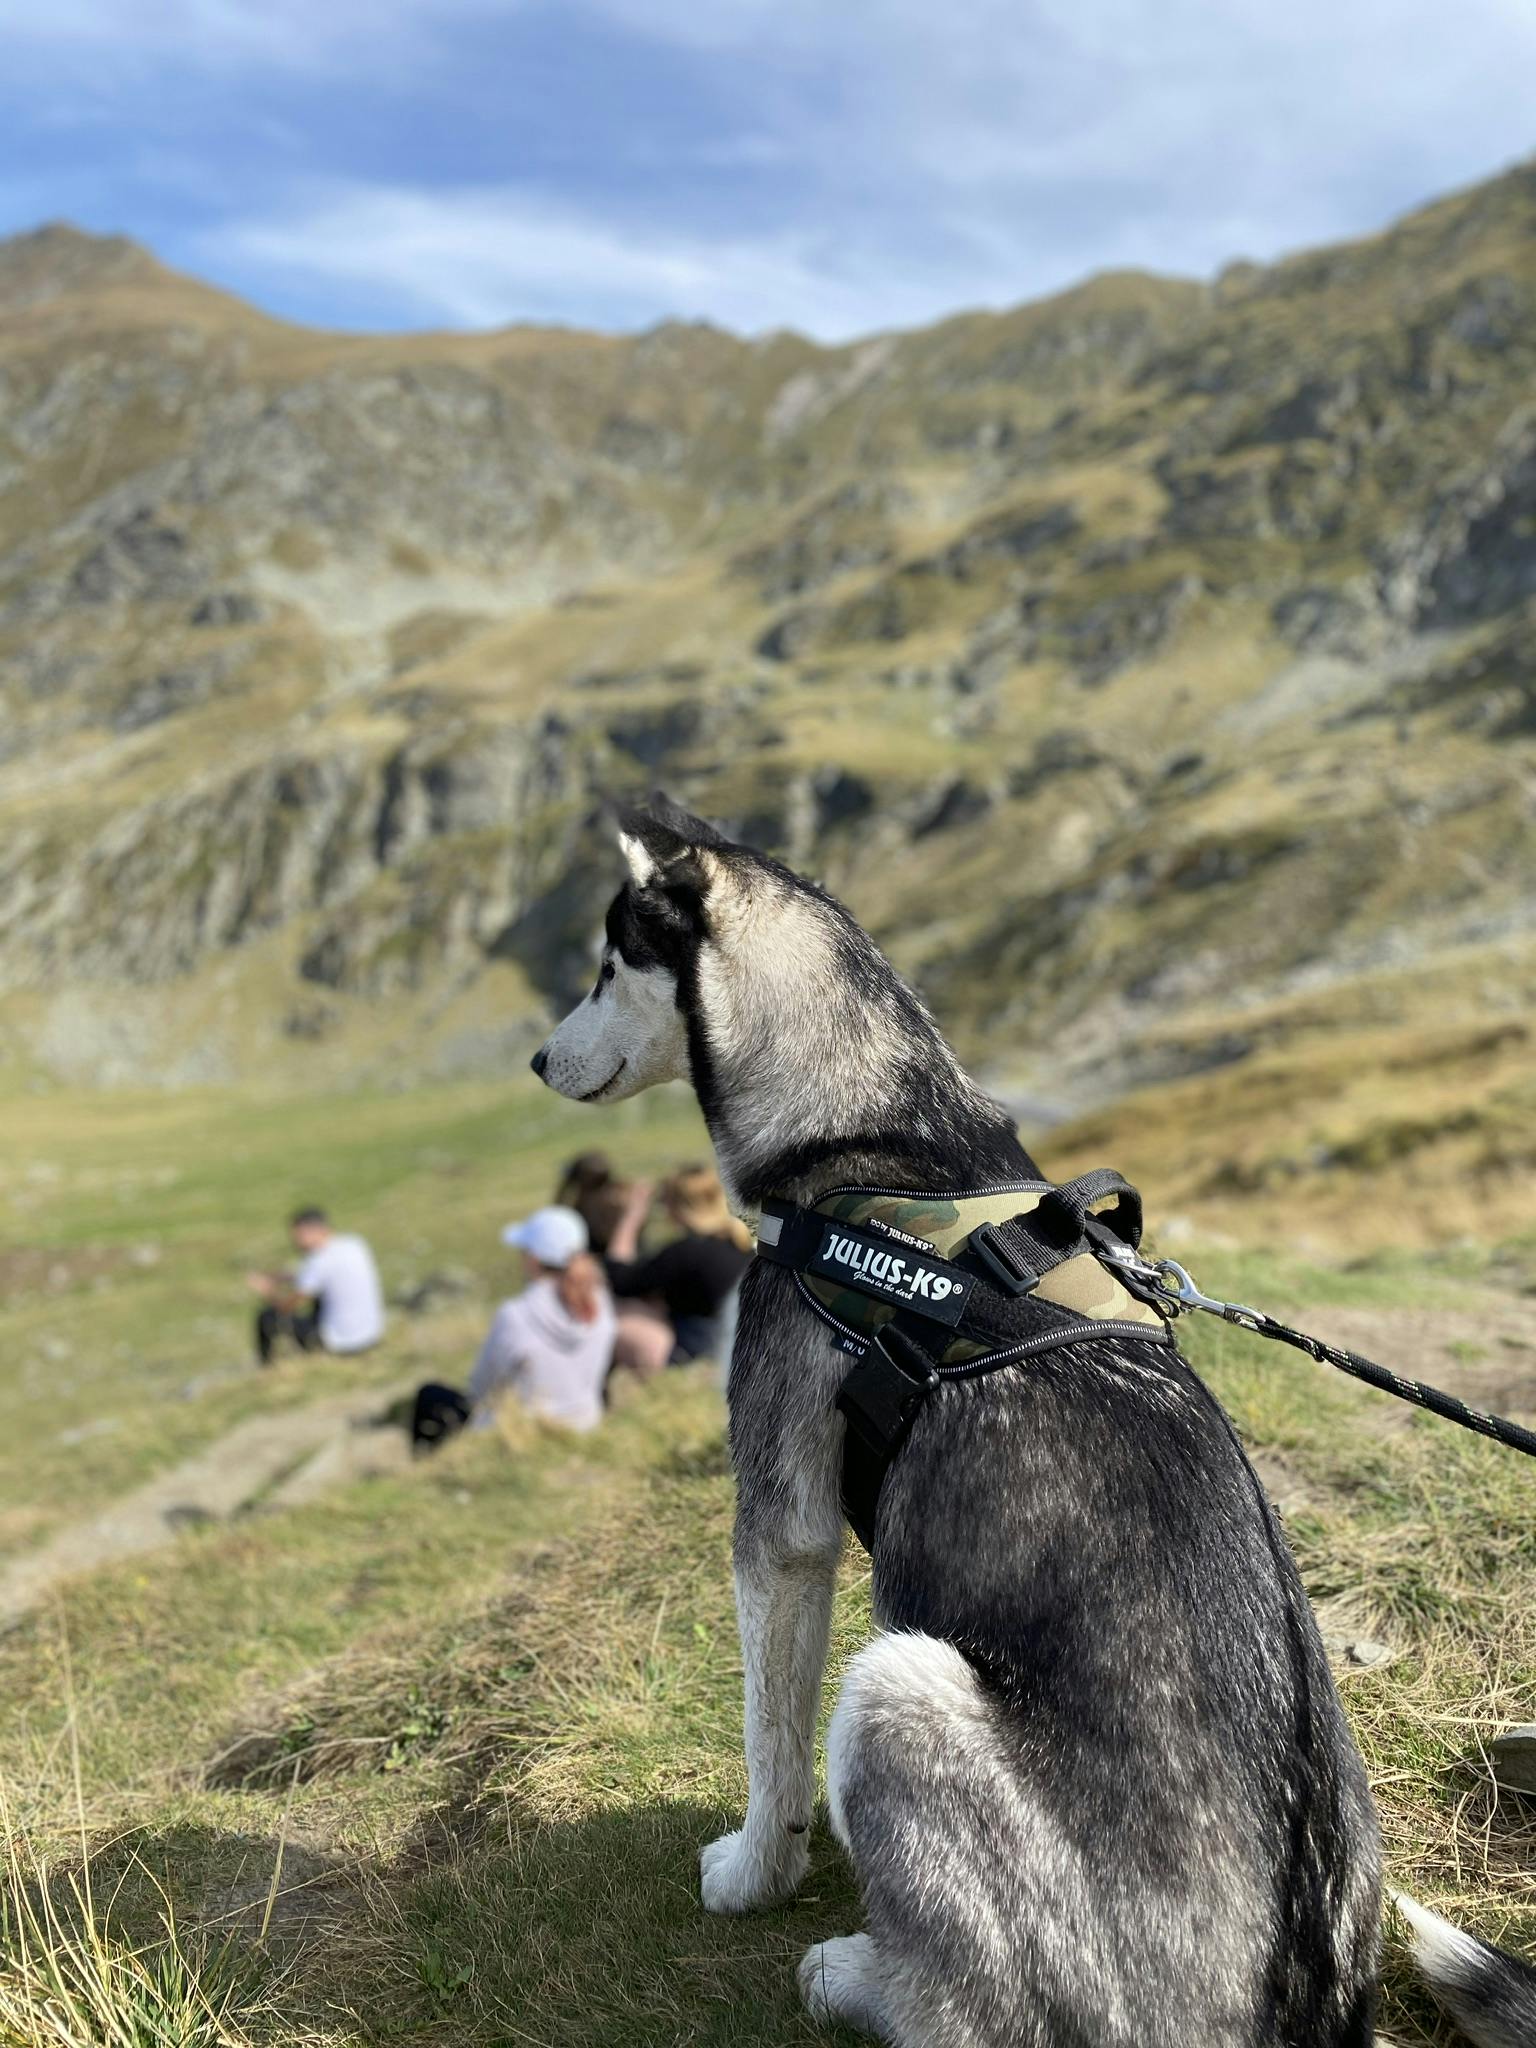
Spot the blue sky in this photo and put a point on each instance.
(833, 165)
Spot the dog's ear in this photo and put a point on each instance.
(695, 831)
(662, 840)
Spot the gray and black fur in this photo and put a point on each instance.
(1489, 1995)
(1093, 1773)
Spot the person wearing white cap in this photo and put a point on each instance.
(552, 1344)
(549, 1347)
(551, 1237)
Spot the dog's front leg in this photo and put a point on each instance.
(784, 1607)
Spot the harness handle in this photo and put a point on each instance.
(1062, 1224)
(1070, 1206)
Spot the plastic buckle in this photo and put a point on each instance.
(909, 1358)
(1002, 1262)
(881, 1396)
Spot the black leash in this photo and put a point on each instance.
(1176, 1287)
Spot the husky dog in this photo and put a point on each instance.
(1092, 1774)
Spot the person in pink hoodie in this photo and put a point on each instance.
(549, 1348)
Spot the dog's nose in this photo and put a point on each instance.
(540, 1061)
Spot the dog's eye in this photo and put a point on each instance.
(604, 973)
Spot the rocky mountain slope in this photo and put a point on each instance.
(1151, 666)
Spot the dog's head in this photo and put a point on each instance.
(632, 1030)
(724, 968)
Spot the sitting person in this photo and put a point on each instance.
(590, 1186)
(670, 1303)
(332, 1303)
(549, 1346)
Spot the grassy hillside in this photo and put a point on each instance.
(127, 1222)
(426, 1757)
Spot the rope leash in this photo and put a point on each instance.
(1173, 1286)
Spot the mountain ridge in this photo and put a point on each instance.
(1233, 277)
(1136, 662)
(58, 257)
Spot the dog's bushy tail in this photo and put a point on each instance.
(1490, 1996)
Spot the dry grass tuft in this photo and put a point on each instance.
(70, 1979)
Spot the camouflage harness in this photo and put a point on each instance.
(922, 1289)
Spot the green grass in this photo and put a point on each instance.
(492, 1709)
(428, 1760)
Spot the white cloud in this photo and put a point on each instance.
(1039, 140)
(479, 258)
(896, 158)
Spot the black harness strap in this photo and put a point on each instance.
(892, 1268)
(879, 1400)
(884, 1394)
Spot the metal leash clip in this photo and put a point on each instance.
(1175, 1285)
(1184, 1291)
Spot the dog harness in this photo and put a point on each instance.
(922, 1289)
(926, 1288)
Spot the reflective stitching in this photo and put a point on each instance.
(1083, 1333)
(1002, 1187)
(826, 1313)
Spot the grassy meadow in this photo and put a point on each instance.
(428, 1757)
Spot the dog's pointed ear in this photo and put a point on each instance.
(662, 839)
(649, 847)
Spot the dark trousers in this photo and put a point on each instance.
(301, 1325)
(697, 1337)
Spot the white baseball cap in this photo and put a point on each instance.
(553, 1236)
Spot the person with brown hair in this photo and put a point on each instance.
(550, 1347)
(670, 1303)
(590, 1186)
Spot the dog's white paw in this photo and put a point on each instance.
(735, 1877)
(840, 1980)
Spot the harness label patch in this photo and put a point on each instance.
(930, 1286)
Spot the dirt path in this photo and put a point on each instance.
(1484, 1354)
(279, 1460)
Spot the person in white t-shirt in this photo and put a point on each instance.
(549, 1348)
(332, 1303)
